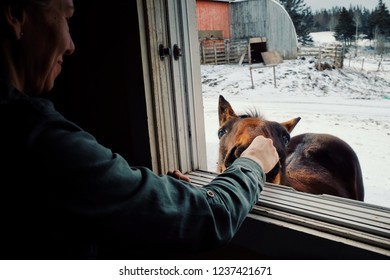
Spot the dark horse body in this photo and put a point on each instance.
(310, 162)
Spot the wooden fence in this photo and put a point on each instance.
(325, 53)
(222, 51)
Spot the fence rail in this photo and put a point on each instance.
(333, 52)
(222, 51)
(328, 50)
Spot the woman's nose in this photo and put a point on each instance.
(71, 47)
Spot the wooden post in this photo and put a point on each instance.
(274, 75)
(203, 53)
(242, 57)
(319, 59)
(262, 66)
(250, 70)
(227, 51)
(215, 54)
(249, 54)
(336, 62)
(380, 63)
(349, 63)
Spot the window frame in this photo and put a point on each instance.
(172, 87)
(362, 230)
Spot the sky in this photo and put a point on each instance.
(327, 4)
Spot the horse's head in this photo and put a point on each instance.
(236, 132)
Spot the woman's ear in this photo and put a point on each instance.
(15, 16)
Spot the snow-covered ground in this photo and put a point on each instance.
(352, 103)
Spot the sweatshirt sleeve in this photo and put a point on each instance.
(94, 194)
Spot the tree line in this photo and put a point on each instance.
(347, 23)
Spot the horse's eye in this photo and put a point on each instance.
(221, 132)
(286, 139)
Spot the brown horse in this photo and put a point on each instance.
(310, 162)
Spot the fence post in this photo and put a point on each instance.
(203, 53)
(274, 75)
(349, 63)
(215, 54)
(227, 51)
(319, 59)
(250, 70)
(238, 50)
(380, 63)
(249, 53)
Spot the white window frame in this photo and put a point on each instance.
(173, 93)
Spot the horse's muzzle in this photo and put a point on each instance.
(233, 154)
(273, 174)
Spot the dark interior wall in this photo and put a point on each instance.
(256, 50)
(101, 86)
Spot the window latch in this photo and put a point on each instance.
(177, 52)
(163, 52)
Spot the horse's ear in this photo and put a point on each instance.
(225, 111)
(289, 125)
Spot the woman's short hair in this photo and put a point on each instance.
(17, 5)
(38, 3)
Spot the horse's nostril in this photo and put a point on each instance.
(233, 154)
(239, 151)
(271, 175)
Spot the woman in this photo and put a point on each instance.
(65, 196)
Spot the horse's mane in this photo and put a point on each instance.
(252, 113)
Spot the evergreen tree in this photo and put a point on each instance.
(302, 19)
(379, 21)
(373, 24)
(365, 27)
(345, 29)
(326, 20)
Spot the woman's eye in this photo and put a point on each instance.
(221, 132)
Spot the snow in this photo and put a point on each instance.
(352, 103)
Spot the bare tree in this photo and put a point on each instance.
(357, 17)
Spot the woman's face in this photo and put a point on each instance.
(45, 41)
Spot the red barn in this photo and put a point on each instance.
(224, 25)
(213, 18)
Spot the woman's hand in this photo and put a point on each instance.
(263, 152)
(178, 175)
